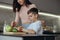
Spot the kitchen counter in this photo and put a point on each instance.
(31, 36)
(23, 35)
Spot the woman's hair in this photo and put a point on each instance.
(18, 6)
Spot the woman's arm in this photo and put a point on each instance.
(15, 22)
(17, 17)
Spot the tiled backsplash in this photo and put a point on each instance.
(6, 15)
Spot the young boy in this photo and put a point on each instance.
(35, 25)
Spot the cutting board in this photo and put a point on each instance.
(13, 33)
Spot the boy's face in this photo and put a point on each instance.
(32, 17)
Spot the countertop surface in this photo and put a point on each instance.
(25, 35)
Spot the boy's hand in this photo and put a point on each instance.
(20, 28)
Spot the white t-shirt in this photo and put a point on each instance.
(37, 27)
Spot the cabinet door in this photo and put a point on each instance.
(10, 38)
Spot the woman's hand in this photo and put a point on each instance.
(13, 23)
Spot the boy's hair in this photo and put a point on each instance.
(33, 11)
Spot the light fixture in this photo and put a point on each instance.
(5, 6)
(48, 14)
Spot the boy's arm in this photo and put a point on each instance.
(33, 28)
(20, 28)
(28, 31)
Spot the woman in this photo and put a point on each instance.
(21, 7)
